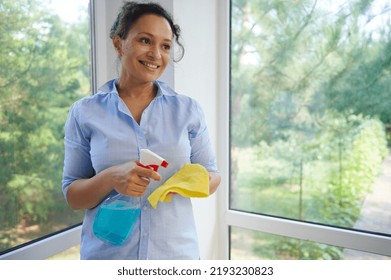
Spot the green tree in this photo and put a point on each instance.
(43, 69)
(305, 78)
(292, 61)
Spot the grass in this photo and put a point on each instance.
(268, 188)
(272, 187)
(69, 254)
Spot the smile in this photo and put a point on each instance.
(149, 65)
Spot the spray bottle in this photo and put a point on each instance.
(118, 214)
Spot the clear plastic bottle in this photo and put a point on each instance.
(118, 214)
(116, 218)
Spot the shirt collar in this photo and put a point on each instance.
(108, 87)
(163, 88)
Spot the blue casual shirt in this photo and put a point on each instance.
(100, 132)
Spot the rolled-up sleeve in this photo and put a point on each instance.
(77, 161)
(201, 147)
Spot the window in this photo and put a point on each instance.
(248, 244)
(310, 118)
(44, 68)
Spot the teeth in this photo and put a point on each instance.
(150, 65)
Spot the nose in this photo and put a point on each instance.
(154, 52)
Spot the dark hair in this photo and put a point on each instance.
(132, 11)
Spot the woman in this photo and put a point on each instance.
(105, 132)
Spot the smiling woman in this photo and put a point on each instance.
(105, 133)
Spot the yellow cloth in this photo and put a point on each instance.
(192, 180)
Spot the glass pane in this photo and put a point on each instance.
(311, 111)
(252, 245)
(44, 68)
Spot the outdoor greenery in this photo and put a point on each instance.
(310, 104)
(44, 68)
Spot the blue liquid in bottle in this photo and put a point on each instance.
(116, 218)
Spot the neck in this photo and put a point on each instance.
(134, 90)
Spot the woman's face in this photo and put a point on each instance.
(145, 53)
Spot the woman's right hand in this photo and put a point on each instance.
(131, 179)
(128, 179)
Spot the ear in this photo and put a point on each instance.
(117, 43)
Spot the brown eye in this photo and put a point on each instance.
(145, 41)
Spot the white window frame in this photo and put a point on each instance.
(45, 247)
(351, 239)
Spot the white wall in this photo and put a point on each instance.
(197, 76)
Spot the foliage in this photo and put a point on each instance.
(353, 176)
(311, 95)
(331, 191)
(292, 62)
(43, 69)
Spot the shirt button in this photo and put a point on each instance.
(145, 234)
(145, 208)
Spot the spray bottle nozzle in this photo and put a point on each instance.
(150, 159)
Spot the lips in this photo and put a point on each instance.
(150, 65)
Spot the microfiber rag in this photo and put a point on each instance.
(192, 180)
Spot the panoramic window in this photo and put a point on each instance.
(44, 68)
(310, 123)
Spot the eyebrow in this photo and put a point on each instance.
(149, 34)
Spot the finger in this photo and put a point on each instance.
(135, 193)
(155, 176)
(136, 190)
(137, 178)
(147, 173)
(142, 181)
(140, 192)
